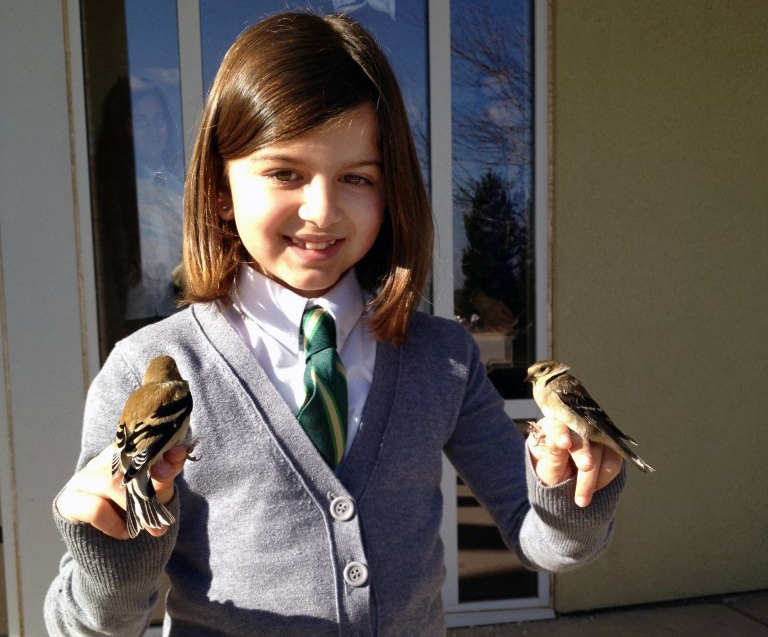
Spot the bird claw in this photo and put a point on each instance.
(536, 432)
(190, 448)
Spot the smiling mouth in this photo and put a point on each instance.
(313, 245)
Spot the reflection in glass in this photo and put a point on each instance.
(492, 85)
(133, 101)
(159, 188)
(492, 118)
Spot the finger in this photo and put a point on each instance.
(96, 478)
(170, 465)
(610, 467)
(552, 465)
(164, 473)
(557, 435)
(100, 484)
(177, 455)
(164, 491)
(109, 518)
(99, 512)
(581, 452)
(157, 532)
(586, 480)
(101, 463)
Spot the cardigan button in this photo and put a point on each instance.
(356, 574)
(342, 509)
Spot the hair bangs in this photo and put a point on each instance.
(301, 81)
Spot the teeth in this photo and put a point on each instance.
(310, 245)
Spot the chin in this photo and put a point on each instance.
(310, 290)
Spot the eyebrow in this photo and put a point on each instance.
(288, 158)
(273, 157)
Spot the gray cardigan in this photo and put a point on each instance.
(270, 542)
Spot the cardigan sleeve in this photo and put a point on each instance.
(106, 586)
(542, 525)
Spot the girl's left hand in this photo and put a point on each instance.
(558, 453)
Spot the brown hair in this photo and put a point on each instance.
(283, 78)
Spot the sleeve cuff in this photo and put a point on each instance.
(566, 535)
(110, 563)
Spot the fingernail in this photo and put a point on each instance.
(582, 501)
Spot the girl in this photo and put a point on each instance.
(304, 190)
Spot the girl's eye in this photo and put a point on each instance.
(283, 175)
(357, 180)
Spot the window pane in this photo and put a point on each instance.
(492, 85)
(488, 570)
(399, 27)
(492, 119)
(133, 101)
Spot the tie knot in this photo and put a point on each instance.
(318, 330)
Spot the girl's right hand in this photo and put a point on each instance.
(558, 453)
(95, 497)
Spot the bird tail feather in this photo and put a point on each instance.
(143, 512)
(116, 463)
(630, 455)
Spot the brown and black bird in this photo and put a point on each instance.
(562, 397)
(155, 419)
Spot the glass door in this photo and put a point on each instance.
(489, 87)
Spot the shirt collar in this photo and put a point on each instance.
(278, 310)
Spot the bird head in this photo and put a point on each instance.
(161, 368)
(544, 370)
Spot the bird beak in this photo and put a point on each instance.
(528, 379)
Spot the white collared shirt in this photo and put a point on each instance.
(267, 316)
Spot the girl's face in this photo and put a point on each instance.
(150, 130)
(309, 209)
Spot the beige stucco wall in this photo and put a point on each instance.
(660, 278)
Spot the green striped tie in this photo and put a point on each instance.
(324, 412)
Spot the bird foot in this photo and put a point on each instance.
(535, 432)
(190, 448)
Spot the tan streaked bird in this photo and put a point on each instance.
(155, 419)
(562, 397)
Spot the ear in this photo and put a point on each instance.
(224, 206)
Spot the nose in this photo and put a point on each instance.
(320, 205)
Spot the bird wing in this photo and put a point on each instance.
(575, 396)
(165, 407)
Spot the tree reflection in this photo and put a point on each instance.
(493, 79)
(492, 63)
